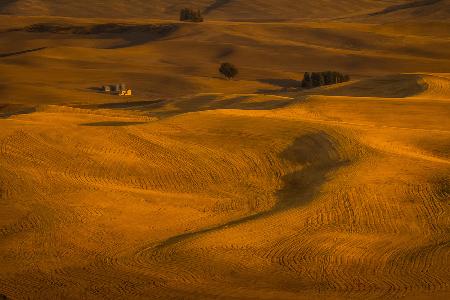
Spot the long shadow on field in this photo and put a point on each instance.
(159, 108)
(212, 102)
(283, 83)
(127, 105)
(317, 155)
(22, 52)
(7, 110)
(282, 86)
(209, 102)
(131, 34)
(130, 105)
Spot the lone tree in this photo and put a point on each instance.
(190, 15)
(228, 70)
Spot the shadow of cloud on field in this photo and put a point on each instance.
(316, 154)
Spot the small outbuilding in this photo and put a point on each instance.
(125, 93)
(117, 89)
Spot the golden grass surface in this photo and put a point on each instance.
(202, 188)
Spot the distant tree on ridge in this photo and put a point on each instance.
(190, 15)
(228, 70)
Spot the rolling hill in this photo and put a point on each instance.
(214, 9)
(197, 187)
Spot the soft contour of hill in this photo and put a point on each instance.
(163, 59)
(226, 196)
(222, 9)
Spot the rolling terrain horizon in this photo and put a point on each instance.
(313, 164)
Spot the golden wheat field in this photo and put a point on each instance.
(197, 187)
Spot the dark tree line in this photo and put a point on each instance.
(190, 15)
(316, 79)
